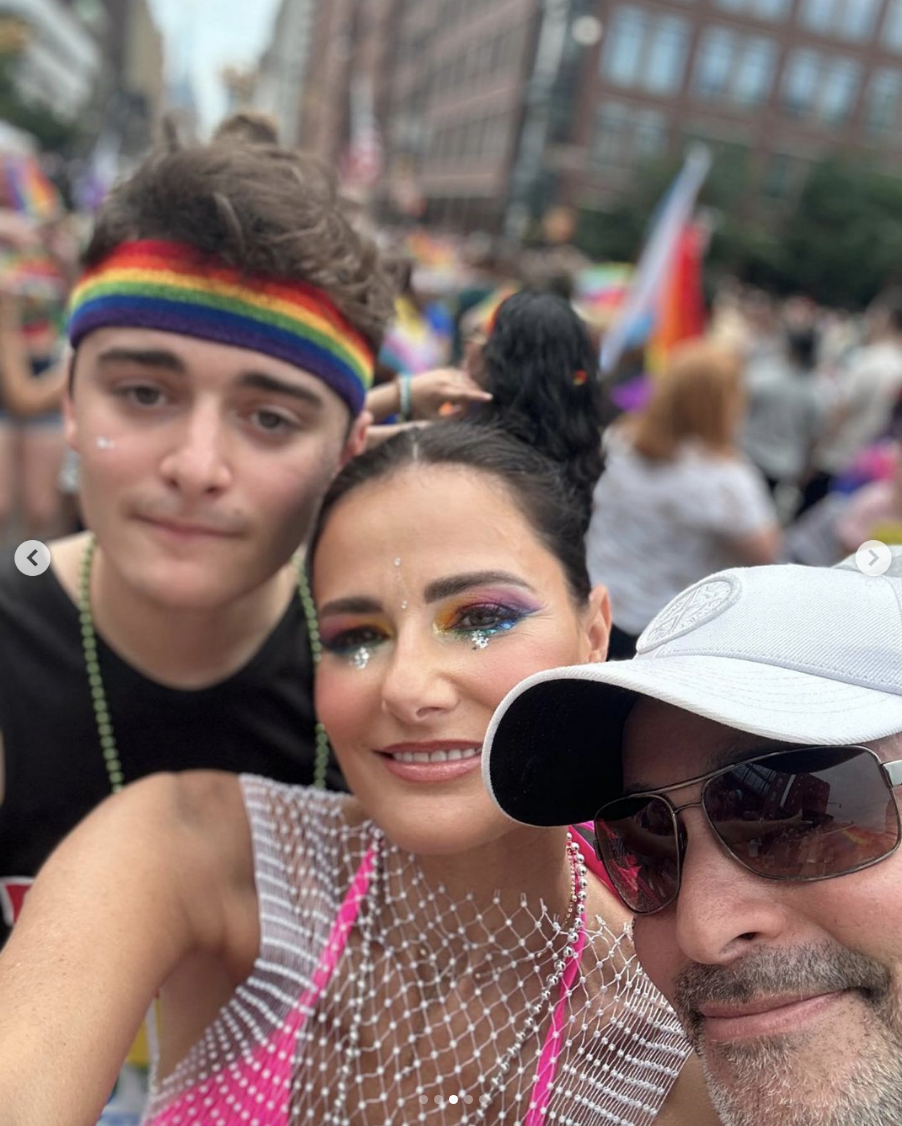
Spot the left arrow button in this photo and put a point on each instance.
(32, 557)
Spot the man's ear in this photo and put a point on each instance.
(356, 441)
(598, 624)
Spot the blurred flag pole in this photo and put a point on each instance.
(658, 255)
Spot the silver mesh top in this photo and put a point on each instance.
(385, 1001)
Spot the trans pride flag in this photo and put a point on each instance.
(664, 304)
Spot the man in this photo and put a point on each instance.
(224, 334)
(866, 392)
(744, 773)
(785, 409)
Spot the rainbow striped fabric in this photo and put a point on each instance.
(173, 287)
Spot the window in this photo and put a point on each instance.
(735, 66)
(754, 71)
(849, 19)
(817, 15)
(800, 82)
(626, 135)
(881, 108)
(839, 91)
(892, 26)
(642, 50)
(858, 19)
(820, 87)
(650, 134)
(761, 9)
(666, 56)
(625, 46)
(610, 132)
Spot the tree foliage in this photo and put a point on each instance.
(840, 242)
(49, 130)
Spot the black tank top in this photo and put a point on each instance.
(259, 720)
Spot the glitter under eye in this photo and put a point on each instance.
(357, 644)
(480, 622)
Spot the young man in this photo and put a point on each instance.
(223, 335)
(744, 774)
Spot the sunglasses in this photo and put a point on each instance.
(806, 814)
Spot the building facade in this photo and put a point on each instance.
(493, 112)
(59, 62)
(134, 74)
(772, 84)
(281, 73)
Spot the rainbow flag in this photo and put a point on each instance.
(681, 307)
(25, 189)
(658, 262)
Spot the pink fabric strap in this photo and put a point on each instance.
(234, 1089)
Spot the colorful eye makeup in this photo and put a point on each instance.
(473, 620)
(480, 621)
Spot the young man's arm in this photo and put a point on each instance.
(156, 873)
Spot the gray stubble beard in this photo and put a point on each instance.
(765, 1087)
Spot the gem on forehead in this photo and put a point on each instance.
(397, 560)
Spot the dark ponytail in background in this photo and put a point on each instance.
(542, 371)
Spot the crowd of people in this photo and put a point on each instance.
(405, 731)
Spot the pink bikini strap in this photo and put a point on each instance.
(551, 1049)
(341, 928)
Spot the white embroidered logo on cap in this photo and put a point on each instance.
(689, 610)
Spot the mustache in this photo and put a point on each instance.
(802, 971)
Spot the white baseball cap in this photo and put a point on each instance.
(806, 655)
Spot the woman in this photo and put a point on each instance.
(366, 959)
(677, 500)
(541, 369)
(33, 287)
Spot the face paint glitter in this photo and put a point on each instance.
(361, 658)
(480, 640)
(106, 444)
(398, 561)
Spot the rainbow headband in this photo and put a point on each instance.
(173, 287)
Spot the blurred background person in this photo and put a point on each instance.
(841, 522)
(866, 391)
(35, 273)
(541, 369)
(786, 409)
(677, 500)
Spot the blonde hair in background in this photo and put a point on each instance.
(699, 396)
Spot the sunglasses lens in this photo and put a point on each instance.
(638, 843)
(805, 815)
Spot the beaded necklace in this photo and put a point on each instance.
(102, 718)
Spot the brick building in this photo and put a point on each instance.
(498, 106)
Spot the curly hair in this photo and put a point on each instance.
(542, 371)
(261, 209)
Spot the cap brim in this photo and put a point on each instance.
(552, 750)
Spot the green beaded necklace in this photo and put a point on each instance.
(98, 693)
